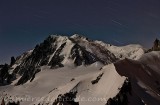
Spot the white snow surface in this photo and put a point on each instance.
(46, 81)
(132, 51)
(50, 83)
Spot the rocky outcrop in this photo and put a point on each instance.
(156, 46)
(13, 60)
(4, 74)
(1, 66)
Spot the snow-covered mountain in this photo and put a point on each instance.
(59, 51)
(79, 71)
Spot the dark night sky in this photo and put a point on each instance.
(25, 23)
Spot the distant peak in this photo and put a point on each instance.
(75, 36)
(56, 37)
(80, 37)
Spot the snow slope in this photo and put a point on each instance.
(145, 83)
(55, 82)
(133, 51)
(94, 84)
(83, 85)
(47, 80)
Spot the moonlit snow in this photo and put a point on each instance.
(101, 77)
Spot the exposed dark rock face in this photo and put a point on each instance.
(39, 56)
(29, 74)
(5, 76)
(121, 98)
(4, 73)
(82, 56)
(57, 59)
(66, 99)
(97, 79)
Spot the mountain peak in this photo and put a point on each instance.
(77, 36)
(57, 37)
